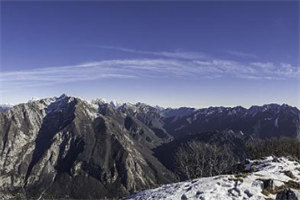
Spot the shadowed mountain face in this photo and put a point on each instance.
(68, 148)
(260, 121)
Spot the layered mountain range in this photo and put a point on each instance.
(66, 147)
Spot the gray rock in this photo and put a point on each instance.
(268, 184)
(184, 197)
(286, 194)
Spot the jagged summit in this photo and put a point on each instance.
(63, 96)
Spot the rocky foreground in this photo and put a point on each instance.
(268, 179)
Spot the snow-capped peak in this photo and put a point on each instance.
(115, 103)
(99, 101)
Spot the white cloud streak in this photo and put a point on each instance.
(189, 55)
(241, 54)
(183, 65)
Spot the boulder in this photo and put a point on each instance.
(286, 194)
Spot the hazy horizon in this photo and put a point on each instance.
(171, 54)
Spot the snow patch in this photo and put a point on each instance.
(228, 187)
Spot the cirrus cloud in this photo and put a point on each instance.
(168, 64)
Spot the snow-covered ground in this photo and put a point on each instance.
(231, 187)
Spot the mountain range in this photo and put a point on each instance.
(67, 147)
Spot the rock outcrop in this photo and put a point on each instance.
(286, 194)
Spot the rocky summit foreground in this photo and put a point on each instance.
(271, 178)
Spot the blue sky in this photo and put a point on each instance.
(163, 53)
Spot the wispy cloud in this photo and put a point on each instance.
(241, 54)
(178, 54)
(183, 65)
